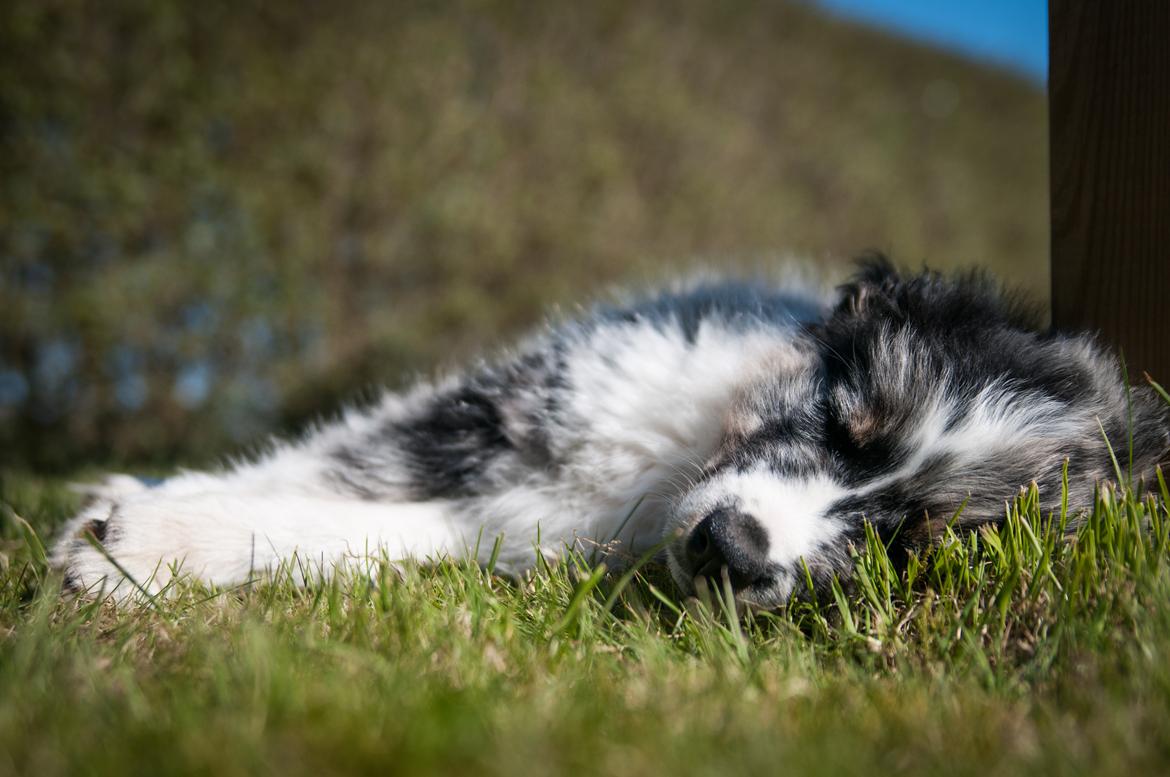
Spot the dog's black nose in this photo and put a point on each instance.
(729, 538)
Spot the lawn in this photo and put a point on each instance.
(1015, 650)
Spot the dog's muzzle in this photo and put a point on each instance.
(728, 539)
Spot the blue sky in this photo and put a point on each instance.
(1012, 33)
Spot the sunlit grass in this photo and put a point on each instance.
(1040, 644)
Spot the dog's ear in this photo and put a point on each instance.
(1148, 422)
(875, 284)
(930, 301)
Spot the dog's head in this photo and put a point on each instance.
(918, 399)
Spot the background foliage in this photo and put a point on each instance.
(219, 218)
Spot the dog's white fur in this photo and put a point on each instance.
(657, 406)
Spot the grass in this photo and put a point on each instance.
(1012, 650)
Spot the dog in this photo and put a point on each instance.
(744, 432)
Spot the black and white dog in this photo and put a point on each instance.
(751, 430)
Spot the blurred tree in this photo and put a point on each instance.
(219, 218)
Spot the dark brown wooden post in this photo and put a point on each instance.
(1109, 128)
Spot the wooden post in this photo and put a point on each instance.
(1109, 129)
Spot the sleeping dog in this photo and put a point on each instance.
(746, 431)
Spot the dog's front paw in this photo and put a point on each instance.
(76, 551)
(101, 551)
(141, 541)
(80, 550)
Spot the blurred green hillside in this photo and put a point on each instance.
(219, 218)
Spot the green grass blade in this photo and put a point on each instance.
(1158, 388)
(33, 542)
(579, 595)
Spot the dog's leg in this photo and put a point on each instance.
(292, 506)
(224, 538)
